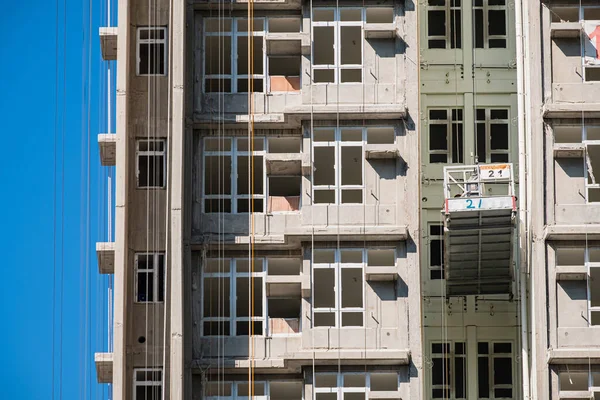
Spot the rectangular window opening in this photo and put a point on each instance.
(152, 51)
(151, 163)
(284, 193)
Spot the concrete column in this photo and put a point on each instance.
(120, 381)
(177, 370)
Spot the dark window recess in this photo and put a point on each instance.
(217, 205)
(436, 26)
(436, 253)
(151, 168)
(152, 59)
(148, 392)
(455, 29)
(216, 328)
(481, 140)
(457, 143)
(478, 26)
(460, 377)
(483, 375)
(497, 27)
(436, 230)
(438, 114)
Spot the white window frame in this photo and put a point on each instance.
(155, 271)
(137, 383)
(449, 122)
(587, 143)
(233, 275)
(151, 153)
(234, 34)
(491, 356)
(337, 24)
(234, 154)
(448, 9)
(337, 144)
(337, 267)
(140, 41)
(450, 358)
(488, 133)
(486, 36)
(340, 390)
(589, 265)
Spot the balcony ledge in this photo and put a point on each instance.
(573, 356)
(105, 252)
(569, 150)
(381, 273)
(572, 232)
(287, 164)
(107, 143)
(565, 29)
(380, 31)
(571, 273)
(108, 43)
(104, 367)
(381, 151)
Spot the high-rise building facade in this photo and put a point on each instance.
(348, 200)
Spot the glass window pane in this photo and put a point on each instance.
(324, 284)
(352, 163)
(351, 45)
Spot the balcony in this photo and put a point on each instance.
(108, 43)
(104, 367)
(565, 29)
(107, 144)
(287, 164)
(380, 31)
(105, 252)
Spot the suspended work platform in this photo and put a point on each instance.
(480, 212)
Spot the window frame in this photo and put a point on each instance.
(486, 8)
(233, 319)
(338, 310)
(450, 358)
(140, 41)
(587, 143)
(491, 356)
(488, 121)
(449, 122)
(137, 383)
(234, 153)
(340, 389)
(450, 10)
(337, 144)
(589, 266)
(337, 25)
(155, 271)
(235, 34)
(151, 153)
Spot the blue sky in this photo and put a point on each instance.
(35, 249)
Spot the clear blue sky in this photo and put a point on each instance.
(31, 364)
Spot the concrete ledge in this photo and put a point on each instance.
(284, 43)
(385, 395)
(381, 273)
(243, 4)
(108, 43)
(571, 110)
(351, 111)
(381, 151)
(380, 31)
(294, 362)
(572, 232)
(573, 356)
(107, 144)
(565, 29)
(579, 394)
(105, 252)
(305, 286)
(571, 273)
(569, 150)
(104, 367)
(287, 164)
(284, 285)
(320, 234)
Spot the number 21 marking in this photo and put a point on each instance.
(471, 206)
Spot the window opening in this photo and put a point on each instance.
(226, 172)
(444, 25)
(591, 139)
(150, 277)
(490, 24)
(495, 369)
(151, 155)
(284, 193)
(147, 384)
(284, 73)
(592, 261)
(436, 251)
(338, 155)
(492, 135)
(380, 15)
(226, 43)
(446, 144)
(152, 51)
(338, 280)
(381, 135)
(337, 53)
(227, 315)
